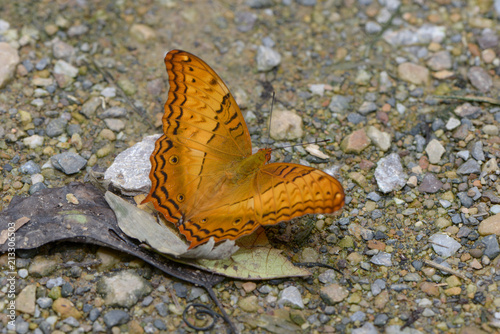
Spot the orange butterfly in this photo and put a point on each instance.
(204, 177)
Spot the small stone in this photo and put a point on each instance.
(109, 92)
(490, 166)
(9, 59)
(372, 28)
(245, 21)
(115, 318)
(367, 107)
(467, 110)
(286, 125)
(290, 296)
(355, 142)
(453, 123)
(115, 124)
(469, 167)
(490, 225)
(123, 289)
(382, 259)
(65, 309)
(339, 103)
(333, 293)
(77, 30)
(127, 86)
(430, 184)
(25, 300)
(435, 151)
(381, 139)
(317, 89)
(56, 127)
(90, 106)
(68, 162)
(33, 141)
(114, 112)
(444, 245)
(389, 173)
(249, 286)
(480, 79)
(440, 61)
(413, 73)
(491, 130)
(267, 58)
(249, 304)
(142, 32)
(42, 266)
(62, 50)
(30, 168)
(476, 150)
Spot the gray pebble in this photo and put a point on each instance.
(53, 282)
(492, 250)
(74, 128)
(71, 321)
(372, 27)
(67, 289)
(382, 259)
(56, 127)
(30, 168)
(162, 310)
(114, 112)
(476, 150)
(355, 118)
(68, 162)
(94, 314)
(44, 302)
(180, 290)
(28, 65)
(42, 63)
(115, 317)
(464, 155)
(339, 103)
(430, 184)
(358, 316)
(37, 187)
(22, 326)
(488, 39)
(381, 319)
(77, 30)
(420, 143)
(444, 245)
(267, 58)
(147, 301)
(259, 4)
(469, 167)
(373, 196)
(465, 200)
(400, 287)
(390, 174)
(158, 323)
(378, 286)
(480, 79)
(367, 107)
(245, 21)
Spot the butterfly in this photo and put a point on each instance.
(204, 176)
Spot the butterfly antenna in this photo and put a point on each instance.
(270, 119)
(304, 144)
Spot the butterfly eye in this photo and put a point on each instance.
(173, 159)
(204, 220)
(180, 198)
(237, 221)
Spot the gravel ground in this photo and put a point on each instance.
(417, 241)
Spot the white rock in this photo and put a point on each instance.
(267, 59)
(33, 141)
(435, 151)
(9, 59)
(452, 123)
(381, 139)
(286, 124)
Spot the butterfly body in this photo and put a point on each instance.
(204, 176)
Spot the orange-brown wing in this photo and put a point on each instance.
(200, 111)
(277, 192)
(204, 133)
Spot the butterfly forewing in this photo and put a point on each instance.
(200, 111)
